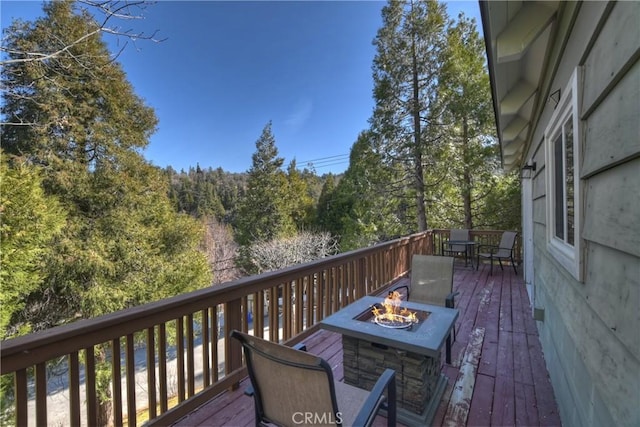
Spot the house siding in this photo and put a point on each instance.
(591, 330)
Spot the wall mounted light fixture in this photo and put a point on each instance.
(555, 98)
(528, 169)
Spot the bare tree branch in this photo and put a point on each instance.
(122, 10)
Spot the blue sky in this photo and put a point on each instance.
(228, 68)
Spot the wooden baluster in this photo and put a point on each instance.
(206, 373)
(288, 317)
(180, 357)
(151, 372)
(216, 339)
(309, 291)
(21, 397)
(191, 376)
(130, 361)
(162, 368)
(90, 386)
(116, 379)
(319, 291)
(273, 314)
(41, 394)
(74, 389)
(233, 349)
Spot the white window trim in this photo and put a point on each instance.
(570, 257)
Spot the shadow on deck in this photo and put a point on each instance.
(497, 376)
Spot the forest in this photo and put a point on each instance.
(89, 226)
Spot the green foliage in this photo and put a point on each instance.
(502, 209)
(359, 209)
(196, 192)
(80, 106)
(407, 114)
(433, 119)
(30, 221)
(327, 213)
(122, 244)
(299, 198)
(264, 213)
(470, 152)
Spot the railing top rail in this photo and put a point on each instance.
(88, 332)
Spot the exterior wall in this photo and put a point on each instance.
(591, 329)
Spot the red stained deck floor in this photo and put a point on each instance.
(497, 376)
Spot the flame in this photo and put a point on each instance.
(393, 311)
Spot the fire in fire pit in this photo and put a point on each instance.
(391, 315)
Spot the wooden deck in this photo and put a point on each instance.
(497, 376)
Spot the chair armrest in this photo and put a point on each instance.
(400, 287)
(300, 346)
(449, 301)
(490, 247)
(372, 405)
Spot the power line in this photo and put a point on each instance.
(324, 162)
(325, 158)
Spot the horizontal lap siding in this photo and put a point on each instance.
(615, 121)
(608, 338)
(612, 208)
(589, 334)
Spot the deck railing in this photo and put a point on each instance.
(160, 361)
(481, 237)
(176, 346)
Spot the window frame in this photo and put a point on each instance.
(568, 108)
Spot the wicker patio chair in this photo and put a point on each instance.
(503, 251)
(290, 385)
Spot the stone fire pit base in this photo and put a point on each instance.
(419, 379)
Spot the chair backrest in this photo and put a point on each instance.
(431, 279)
(287, 381)
(507, 242)
(458, 234)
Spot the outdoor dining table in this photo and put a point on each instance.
(469, 246)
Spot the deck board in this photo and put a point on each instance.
(511, 384)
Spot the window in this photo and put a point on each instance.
(562, 148)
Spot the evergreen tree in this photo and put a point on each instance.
(366, 210)
(327, 216)
(471, 154)
(30, 221)
(301, 204)
(407, 114)
(122, 243)
(263, 213)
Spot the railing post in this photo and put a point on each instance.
(232, 348)
(360, 279)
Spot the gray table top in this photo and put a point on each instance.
(426, 338)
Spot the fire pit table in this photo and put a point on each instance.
(413, 351)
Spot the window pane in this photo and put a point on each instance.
(569, 178)
(559, 186)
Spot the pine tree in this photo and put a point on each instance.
(471, 148)
(407, 114)
(122, 244)
(263, 213)
(364, 209)
(30, 221)
(299, 199)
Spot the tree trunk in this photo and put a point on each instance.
(417, 145)
(466, 184)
